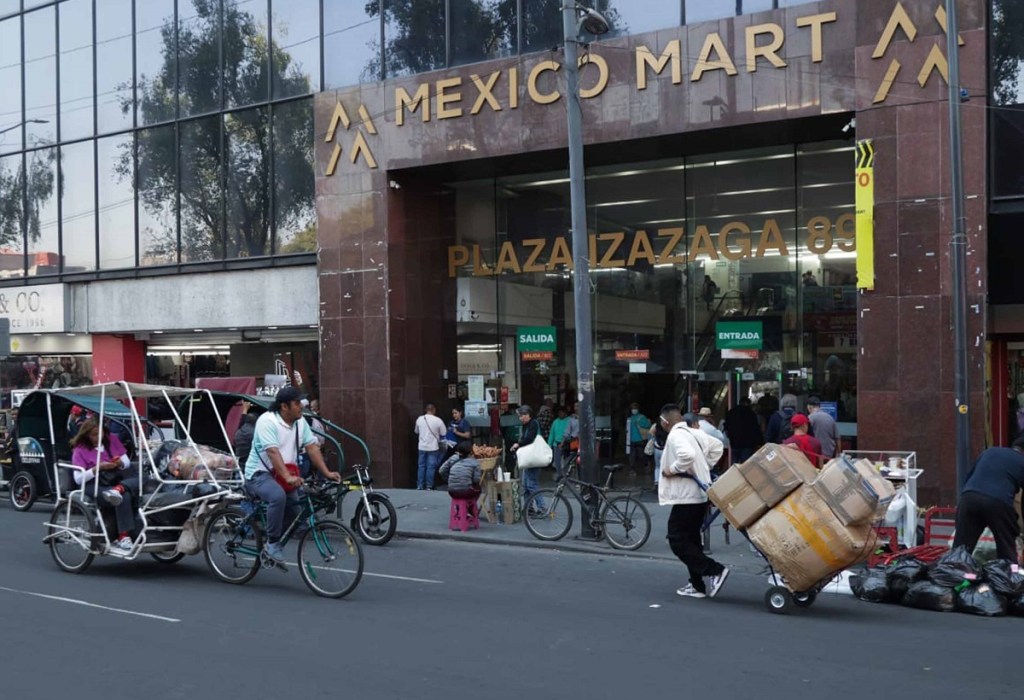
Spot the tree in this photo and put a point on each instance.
(42, 181)
(1008, 52)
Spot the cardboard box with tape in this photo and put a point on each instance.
(854, 491)
(737, 499)
(775, 471)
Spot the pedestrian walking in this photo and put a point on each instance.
(823, 427)
(987, 500)
(431, 432)
(638, 426)
(779, 427)
(744, 431)
(802, 440)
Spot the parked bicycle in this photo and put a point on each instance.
(624, 520)
(330, 558)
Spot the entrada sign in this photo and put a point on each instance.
(739, 335)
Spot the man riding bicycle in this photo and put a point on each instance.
(280, 434)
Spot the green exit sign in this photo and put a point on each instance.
(739, 335)
(536, 338)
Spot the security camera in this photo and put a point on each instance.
(852, 124)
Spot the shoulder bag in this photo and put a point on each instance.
(535, 455)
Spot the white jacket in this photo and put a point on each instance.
(687, 451)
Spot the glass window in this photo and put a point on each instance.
(414, 36)
(202, 191)
(199, 56)
(76, 98)
(10, 85)
(1007, 119)
(9, 7)
(155, 60)
(351, 44)
(246, 65)
(157, 198)
(113, 65)
(294, 193)
(247, 144)
(704, 10)
(541, 25)
(115, 170)
(12, 239)
(296, 46)
(639, 16)
(40, 77)
(78, 207)
(480, 30)
(43, 248)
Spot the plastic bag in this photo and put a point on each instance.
(1016, 606)
(1004, 577)
(955, 567)
(871, 585)
(985, 551)
(980, 600)
(900, 575)
(930, 596)
(897, 508)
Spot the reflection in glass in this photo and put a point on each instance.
(296, 45)
(40, 77)
(247, 144)
(639, 16)
(246, 62)
(114, 165)
(1007, 48)
(9, 6)
(113, 68)
(157, 203)
(199, 56)
(294, 194)
(413, 36)
(351, 44)
(202, 193)
(155, 69)
(43, 224)
(541, 25)
(705, 10)
(78, 208)
(10, 85)
(75, 69)
(480, 30)
(12, 216)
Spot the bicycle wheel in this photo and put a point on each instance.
(547, 515)
(627, 524)
(376, 524)
(330, 559)
(72, 550)
(232, 545)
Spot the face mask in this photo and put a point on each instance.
(635, 411)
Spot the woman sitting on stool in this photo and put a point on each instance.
(462, 472)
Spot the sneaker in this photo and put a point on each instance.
(688, 591)
(275, 552)
(124, 544)
(715, 582)
(113, 497)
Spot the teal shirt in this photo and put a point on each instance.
(272, 431)
(638, 427)
(558, 427)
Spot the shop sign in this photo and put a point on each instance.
(632, 355)
(739, 335)
(740, 354)
(34, 309)
(537, 356)
(865, 202)
(536, 338)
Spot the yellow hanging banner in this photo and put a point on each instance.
(865, 203)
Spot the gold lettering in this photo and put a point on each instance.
(404, 101)
(641, 249)
(744, 242)
(819, 235)
(645, 59)
(815, 22)
(507, 259)
(771, 237)
(513, 88)
(592, 249)
(531, 264)
(713, 42)
(602, 75)
(444, 99)
(458, 255)
(667, 256)
(361, 148)
(936, 59)
(846, 232)
(339, 116)
(768, 50)
(702, 244)
(484, 92)
(531, 83)
(480, 268)
(607, 260)
(560, 254)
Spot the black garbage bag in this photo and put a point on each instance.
(1016, 606)
(955, 567)
(927, 595)
(1003, 578)
(904, 572)
(871, 585)
(981, 600)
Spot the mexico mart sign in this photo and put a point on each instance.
(739, 335)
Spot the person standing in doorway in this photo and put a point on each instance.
(431, 431)
(744, 431)
(530, 432)
(458, 430)
(823, 427)
(639, 427)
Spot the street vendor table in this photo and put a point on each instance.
(508, 491)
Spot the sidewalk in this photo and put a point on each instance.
(424, 514)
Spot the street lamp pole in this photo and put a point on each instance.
(21, 124)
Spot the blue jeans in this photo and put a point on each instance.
(263, 486)
(426, 465)
(531, 484)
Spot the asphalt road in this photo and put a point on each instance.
(434, 618)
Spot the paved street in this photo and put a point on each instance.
(432, 618)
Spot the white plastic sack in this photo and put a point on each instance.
(535, 455)
(897, 509)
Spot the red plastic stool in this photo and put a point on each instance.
(463, 514)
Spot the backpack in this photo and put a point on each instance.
(786, 429)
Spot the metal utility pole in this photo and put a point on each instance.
(958, 254)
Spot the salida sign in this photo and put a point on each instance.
(536, 339)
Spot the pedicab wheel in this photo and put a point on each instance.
(167, 557)
(232, 546)
(376, 525)
(778, 600)
(330, 559)
(72, 550)
(24, 491)
(804, 600)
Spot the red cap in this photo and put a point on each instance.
(799, 419)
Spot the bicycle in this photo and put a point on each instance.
(330, 558)
(375, 518)
(624, 520)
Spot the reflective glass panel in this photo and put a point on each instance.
(10, 85)
(246, 65)
(202, 191)
(43, 224)
(78, 207)
(541, 25)
(76, 98)
(414, 36)
(199, 56)
(247, 142)
(155, 64)
(351, 44)
(40, 77)
(1007, 49)
(116, 212)
(294, 193)
(480, 30)
(705, 10)
(9, 6)
(157, 199)
(639, 16)
(12, 178)
(113, 65)
(296, 46)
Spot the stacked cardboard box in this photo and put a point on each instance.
(746, 492)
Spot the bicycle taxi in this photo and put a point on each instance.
(175, 493)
